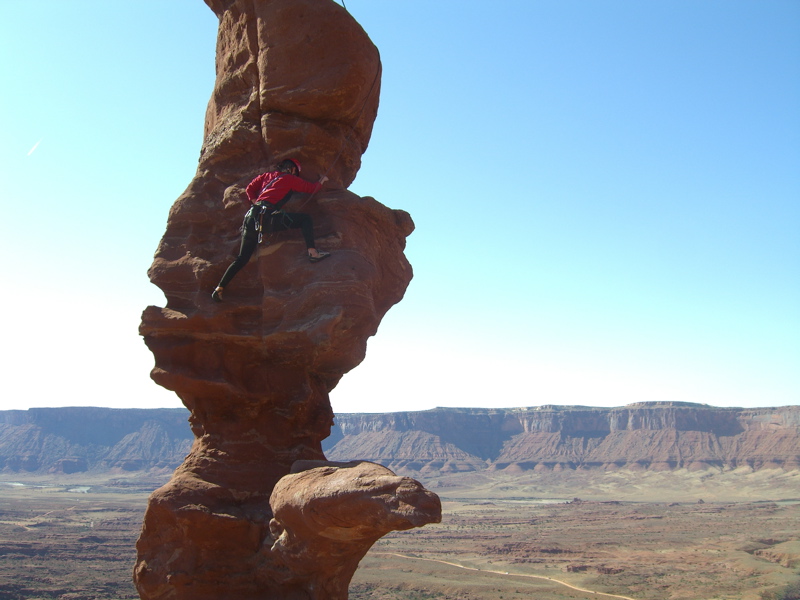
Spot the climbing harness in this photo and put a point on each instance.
(274, 216)
(258, 210)
(256, 213)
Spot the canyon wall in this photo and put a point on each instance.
(103, 441)
(663, 436)
(638, 436)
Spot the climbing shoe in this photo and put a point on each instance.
(322, 256)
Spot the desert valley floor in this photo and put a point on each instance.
(640, 536)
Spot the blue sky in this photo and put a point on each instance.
(605, 193)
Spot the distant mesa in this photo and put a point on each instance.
(74, 440)
(640, 436)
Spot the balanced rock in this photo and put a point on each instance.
(327, 515)
(300, 79)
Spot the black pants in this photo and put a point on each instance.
(271, 223)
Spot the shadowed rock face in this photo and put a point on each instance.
(295, 78)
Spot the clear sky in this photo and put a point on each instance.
(606, 194)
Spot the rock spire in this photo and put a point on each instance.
(301, 79)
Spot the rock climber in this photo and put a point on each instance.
(268, 193)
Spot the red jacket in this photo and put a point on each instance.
(273, 187)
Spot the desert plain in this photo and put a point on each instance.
(546, 536)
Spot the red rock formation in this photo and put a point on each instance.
(295, 78)
(329, 514)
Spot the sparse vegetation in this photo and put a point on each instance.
(647, 551)
(373, 592)
(57, 544)
(790, 592)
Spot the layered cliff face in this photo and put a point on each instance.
(443, 440)
(660, 436)
(97, 440)
(295, 79)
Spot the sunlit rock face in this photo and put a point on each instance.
(327, 516)
(301, 79)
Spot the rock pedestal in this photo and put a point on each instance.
(300, 79)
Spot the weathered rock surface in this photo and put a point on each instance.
(327, 516)
(295, 78)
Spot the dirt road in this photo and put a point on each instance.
(506, 573)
